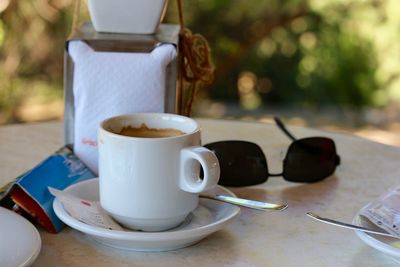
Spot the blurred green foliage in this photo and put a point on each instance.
(296, 53)
(32, 35)
(276, 52)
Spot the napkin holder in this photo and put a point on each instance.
(117, 42)
(28, 194)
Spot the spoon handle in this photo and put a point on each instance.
(349, 226)
(246, 202)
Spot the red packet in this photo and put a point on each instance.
(29, 194)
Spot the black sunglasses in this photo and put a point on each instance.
(307, 160)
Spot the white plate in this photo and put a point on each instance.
(384, 244)
(20, 242)
(208, 217)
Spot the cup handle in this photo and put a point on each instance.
(189, 178)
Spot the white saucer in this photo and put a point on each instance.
(388, 245)
(20, 242)
(209, 217)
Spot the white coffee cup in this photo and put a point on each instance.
(152, 184)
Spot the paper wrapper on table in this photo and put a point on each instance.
(109, 74)
(30, 196)
(384, 212)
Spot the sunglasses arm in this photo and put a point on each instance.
(281, 126)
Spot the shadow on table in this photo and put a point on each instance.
(204, 252)
(252, 193)
(368, 256)
(321, 191)
(293, 194)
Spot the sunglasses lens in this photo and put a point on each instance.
(310, 160)
(241, 163)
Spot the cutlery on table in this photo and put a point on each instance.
(246, 202)
(349, 226)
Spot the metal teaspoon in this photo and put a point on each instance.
(253, 204)
(349, 226)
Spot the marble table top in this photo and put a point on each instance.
(256, 238)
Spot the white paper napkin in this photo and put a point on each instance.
(385, 211)
(107, 84)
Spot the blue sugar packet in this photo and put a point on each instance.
(30, 195)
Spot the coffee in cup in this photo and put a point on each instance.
(146, 132)
(149, 165)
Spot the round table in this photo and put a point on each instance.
(256, 238)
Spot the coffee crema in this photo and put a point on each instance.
(146, 132)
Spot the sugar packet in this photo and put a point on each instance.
(89, 212)
(385, 211)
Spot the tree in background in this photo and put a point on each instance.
(299, 53)
(32, 35)
(291, 53)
